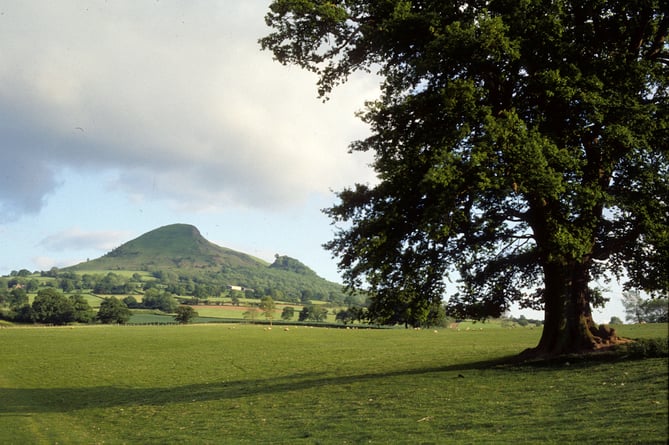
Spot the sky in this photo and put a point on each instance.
(119, 117)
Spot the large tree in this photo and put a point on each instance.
(522, 146)
(113, 311)
(267, 307)
(185, 314)
(641, 310)
(52, 307)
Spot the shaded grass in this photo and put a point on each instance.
(243, 384)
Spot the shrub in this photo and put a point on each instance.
(131, 302)
(24, 314)
(647, 348)
(615, 320)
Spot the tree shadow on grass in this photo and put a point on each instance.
(20, 401)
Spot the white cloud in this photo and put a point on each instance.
(46, 263)
(76, 239)
(176, 96)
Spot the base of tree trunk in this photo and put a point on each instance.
(600, 339)
(605, 337)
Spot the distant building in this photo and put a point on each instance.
(240, 288)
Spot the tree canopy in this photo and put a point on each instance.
(521, 147)
(642, 310)
(52, 307)
(185, 314)
(113, 311)
(267, 307)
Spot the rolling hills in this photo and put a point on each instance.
(176, 246)
(180, 256)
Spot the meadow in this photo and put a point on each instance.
(224, 383)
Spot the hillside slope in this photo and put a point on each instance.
(183, 259)
(177, 246)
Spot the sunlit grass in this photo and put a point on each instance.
(247, 384)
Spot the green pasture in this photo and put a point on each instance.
(229, 311)
(234, 384)
(146, 276)
(92, 299)
(209, 314)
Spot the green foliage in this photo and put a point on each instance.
(313, 312)
(32, 285)
(52, 307)
(251, 313)
(179, 260)
(17, 297)
(655, 310)
(645, 310)
(615, 320)
(288, 313)
(112, 283)
(83, 313)
(23, 314)
(4, 290)
(163, 301)
(131, 302)
(185, 314)
(521, 321)
(350, 315)
(406, 308)
(518, 145)
(306, 296)
(174, 246)
(646, 348)
(291, 264)
(267, 307)
(113, 311)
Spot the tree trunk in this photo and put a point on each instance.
(568, 324)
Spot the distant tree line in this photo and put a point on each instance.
(312, 312)
(51, 306)
(300, 288)
(521, 321)
(645, 310)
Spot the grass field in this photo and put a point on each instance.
(209, 313)
(245, 384)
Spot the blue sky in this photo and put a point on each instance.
(120, 117)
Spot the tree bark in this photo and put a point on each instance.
(568, 324)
